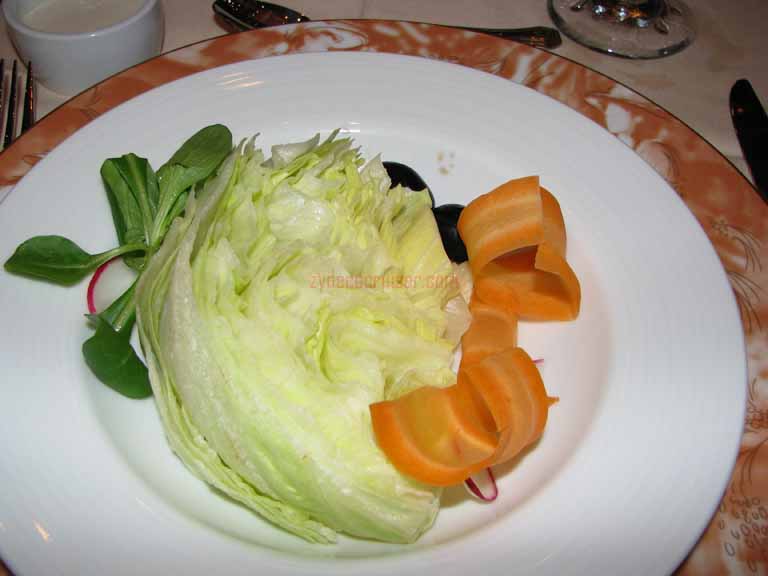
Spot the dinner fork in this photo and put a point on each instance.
(9, 105)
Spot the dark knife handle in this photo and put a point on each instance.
(251, 14)
(751, 124)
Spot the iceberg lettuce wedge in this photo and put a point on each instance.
(292, 294)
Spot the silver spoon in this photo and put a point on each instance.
(249, 14)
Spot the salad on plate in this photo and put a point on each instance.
(300, 322)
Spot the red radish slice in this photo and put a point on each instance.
(483, 485)
(538, 360)
(92, 286)
(108, 282)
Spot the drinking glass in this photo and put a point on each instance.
(627, 28)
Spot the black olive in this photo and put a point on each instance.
(406, 176)
(447, 217)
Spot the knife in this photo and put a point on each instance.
(249, 14)
(751, 124)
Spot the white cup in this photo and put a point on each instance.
(70, 63)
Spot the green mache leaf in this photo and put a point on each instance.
(178, 207)
(195, 161)
(126, 212)
(121, 314)
(53, 258)
(113, 360)
(134, 194)
(203, 152)
(174, 180)
(58, 259)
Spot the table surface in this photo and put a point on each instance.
(693, 85)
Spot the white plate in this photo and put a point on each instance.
(650, 376)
